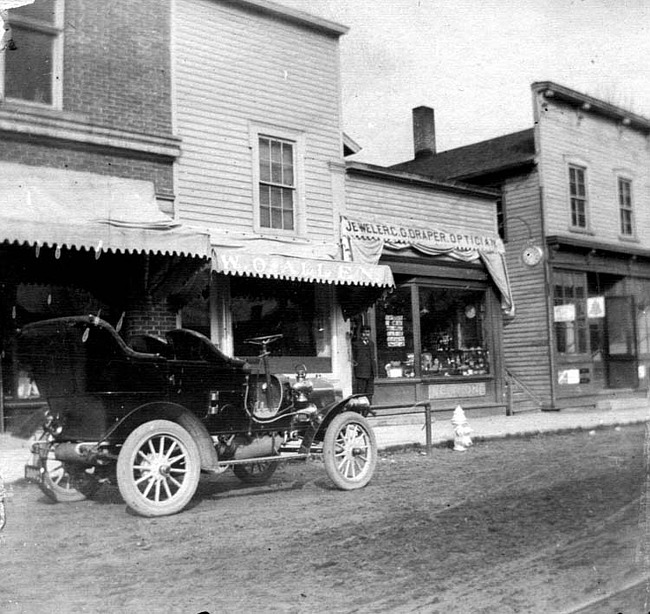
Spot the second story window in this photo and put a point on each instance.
(31, 65)
(625, 206)
(277, 184)
(578, 196)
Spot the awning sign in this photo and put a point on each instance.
(424, 235)
(302, 269)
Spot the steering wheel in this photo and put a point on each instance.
(265, 340)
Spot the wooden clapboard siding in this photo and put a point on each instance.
(232, 67)
(407, 204)
(526, 336)
(605, 147)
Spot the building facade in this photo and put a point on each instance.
(575, 193)
(438, 336)
(86, 156)
(257, 106)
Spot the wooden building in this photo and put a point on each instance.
(257, 106)
(574, 211)
(438, 336)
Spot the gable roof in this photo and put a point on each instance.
(502, 153)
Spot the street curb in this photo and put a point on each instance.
(449, 443)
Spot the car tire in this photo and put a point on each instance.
(350, 451)
(158, 468)
(61, 482)
(255, 473)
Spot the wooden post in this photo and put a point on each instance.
(509, 382)
(2, 402)
(427, 427)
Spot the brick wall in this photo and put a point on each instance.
(117, 63)
(65, 156)
(147, 316)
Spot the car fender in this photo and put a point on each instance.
(322, 419)
(175, 413)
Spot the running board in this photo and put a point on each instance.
(283, 457)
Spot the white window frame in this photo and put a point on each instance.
(625, 179)
(582, 168)
(56, 31)
(297, 140)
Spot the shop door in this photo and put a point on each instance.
(620, 343)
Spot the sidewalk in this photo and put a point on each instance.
(496, 427)
(14, 452)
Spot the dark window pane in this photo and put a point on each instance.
(276, 218)
(288, 220)
(276, 162)
(265, 160)
(268, 306)
(28, 69)
(287, 163)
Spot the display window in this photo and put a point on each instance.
(300, 312)
(452, 332)
(432, 332)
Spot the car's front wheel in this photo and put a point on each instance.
(158, 468)
(350, 451)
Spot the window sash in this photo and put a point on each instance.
(277, 184)
(625, 206)
(572, 337)
(31, 74)
(578, 196)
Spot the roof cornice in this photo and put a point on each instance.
(284, 13)
(552, 90)
(380, 172)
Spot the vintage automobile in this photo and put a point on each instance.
(154, 415)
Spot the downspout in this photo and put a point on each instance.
(549, 308)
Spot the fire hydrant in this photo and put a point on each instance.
(462, 430)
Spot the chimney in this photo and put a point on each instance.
(424, 131)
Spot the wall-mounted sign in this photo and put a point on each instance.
(455, 391)
(568, 376)
(596, 307)
(564, 313)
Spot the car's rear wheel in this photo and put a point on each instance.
(158, 468)
(64, 482)
(350, 451)
(255, 473)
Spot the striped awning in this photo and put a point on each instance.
(66, 209)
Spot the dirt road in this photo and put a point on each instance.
(544, 524)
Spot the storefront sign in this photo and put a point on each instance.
(452, 391)
(425, 235)
(564, 313)
(568, 376)
(304, 269)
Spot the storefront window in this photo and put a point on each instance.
(395, 353)
(570, 312)
(452, 336)
(298, 311)
(452, 332)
